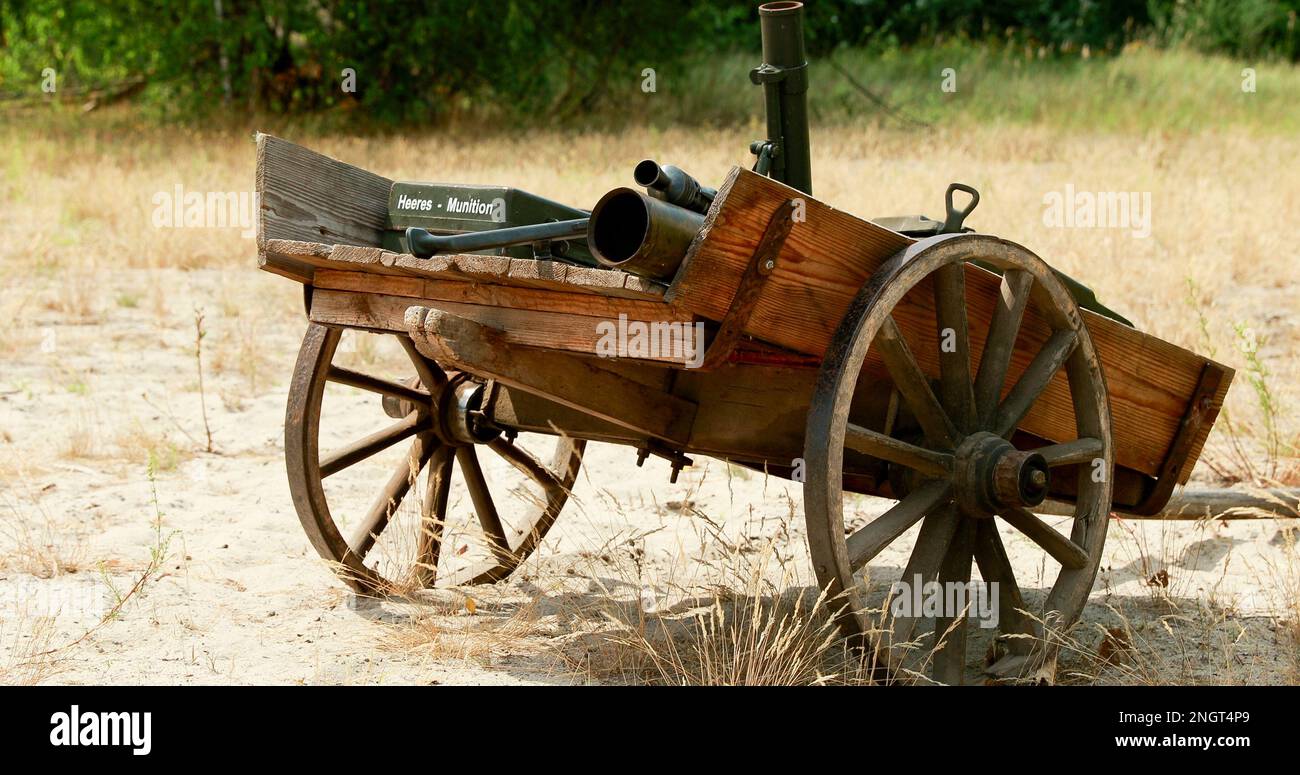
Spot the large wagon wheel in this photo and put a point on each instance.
(440, 414)
(959, 470)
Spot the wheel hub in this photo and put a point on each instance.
(463, 420)
(458, 407)
(990, 474)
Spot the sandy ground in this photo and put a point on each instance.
(240, 597)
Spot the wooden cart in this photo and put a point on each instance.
(836, 354)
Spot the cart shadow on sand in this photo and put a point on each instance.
(602, 628)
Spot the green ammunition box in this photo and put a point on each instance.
(454, 208)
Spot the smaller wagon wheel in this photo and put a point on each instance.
(958, 476)
(399, 543)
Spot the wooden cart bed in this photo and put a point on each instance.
(321, 222)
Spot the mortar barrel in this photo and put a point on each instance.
(781, 25)
(641, 235)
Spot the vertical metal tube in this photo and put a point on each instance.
(787, 94)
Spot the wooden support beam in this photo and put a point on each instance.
(579, 383)
(562, 299)
(581, 334)
(1276, 503)
(487, 270)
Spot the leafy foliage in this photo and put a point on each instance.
(549, 59)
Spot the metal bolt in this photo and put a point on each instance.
(1038, 477)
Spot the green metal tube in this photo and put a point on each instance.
(781, 24)
(641, 235)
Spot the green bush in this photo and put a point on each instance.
(544, 60)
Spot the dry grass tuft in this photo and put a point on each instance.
(27, 659)
(1284, 582)
(452, 626)
(741, 617)
(30, 541)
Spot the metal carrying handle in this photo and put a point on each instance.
(422, 244)
(952, 223)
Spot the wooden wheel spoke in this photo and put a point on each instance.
(1071, 452)
(415, 561)
(869, 540)
(370, 445)
(1017, 377)
(376, 385)
(913, 385)
(950, 633)
(1034, 381)
(1062, 549)
(954, 345)
(995, 567)
(395, 489)
(1013, 297)
(878, 445)
(433, 515)
(483, 505)
(530, 466)
(931, 547)
(431, 375)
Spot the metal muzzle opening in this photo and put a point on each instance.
(641, 235)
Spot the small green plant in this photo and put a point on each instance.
(1241, 463)
(157, 552)
(1257, 375)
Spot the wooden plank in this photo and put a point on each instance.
(824, 261)
(495, 270)
(607, 282)
(542, 299)
(827, 259)
(308, 197)
(525, 327)
(578, 383)
(751, 412)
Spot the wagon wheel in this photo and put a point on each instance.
(439, 413)
(960, 471)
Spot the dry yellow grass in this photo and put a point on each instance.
(31, 541)
(27, 661)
